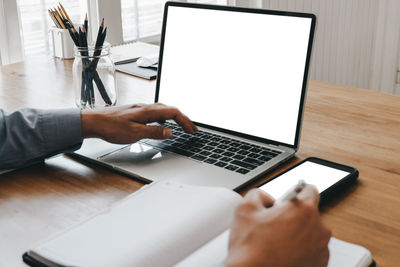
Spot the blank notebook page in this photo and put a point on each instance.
(147, 229)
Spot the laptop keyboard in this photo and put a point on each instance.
(221, 151)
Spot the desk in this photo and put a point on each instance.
(352, 126)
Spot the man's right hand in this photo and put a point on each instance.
(128, 124)
(288, 233)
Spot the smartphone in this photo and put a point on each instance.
(329, 177)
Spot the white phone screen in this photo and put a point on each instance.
(312, 173)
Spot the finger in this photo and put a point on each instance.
(309, 194)
(186, 124)
(154, 132)
(160, 112)
(260, 198)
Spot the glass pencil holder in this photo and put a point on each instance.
(94, 77)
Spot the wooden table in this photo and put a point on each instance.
(348, 125)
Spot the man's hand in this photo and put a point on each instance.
(284, 234)
(127, 124)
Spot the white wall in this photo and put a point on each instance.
(10, 38)
(357, 42)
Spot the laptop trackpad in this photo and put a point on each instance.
(150, 163)
(137, 153)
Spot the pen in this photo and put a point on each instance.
(292, 192)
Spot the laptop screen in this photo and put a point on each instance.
(238, 71)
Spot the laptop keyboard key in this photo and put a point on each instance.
(194, 139)
(231, 167)
(242, 171)
(221, 164)
(218, 151)
(205, 153)
(243, 152)
(215, 156)
(238, 157)
(253, 155)
(210, 161)
(198, 144)
(185, 135)
(264, 158)
(243, 164)
(178, 151)
(199, 157)
(186, 147)
(195, 150)
(179, 139)
(228, 154)
(268, 154)
(235, 144)
(223, 146)
(253, 161)
(245, 147)
(233, 149)
(255, 150)
(225, 159)
(276, 153)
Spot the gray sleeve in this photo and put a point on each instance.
(28, 136)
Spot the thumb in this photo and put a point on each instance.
(260, 198)
(156, 132)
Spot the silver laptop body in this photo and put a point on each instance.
(241, 76)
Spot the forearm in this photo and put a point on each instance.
(30, 135)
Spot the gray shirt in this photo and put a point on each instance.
(28, 136)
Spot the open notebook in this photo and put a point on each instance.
(163, 224)
(130, 52)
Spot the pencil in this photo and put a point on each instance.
(99, 34)
(86, 23)
(64, 18)
(76, 35)
(84, 36)
(53, 18)
(80, 35)
(66, 14)
(73, 37)
(59, 19)
(61, 13)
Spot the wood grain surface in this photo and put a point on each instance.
(352, 126)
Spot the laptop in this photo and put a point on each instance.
(241, 75)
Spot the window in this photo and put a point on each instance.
(143, 18)
(36, 22)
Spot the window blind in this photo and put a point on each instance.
(35, 23)
(143, 18)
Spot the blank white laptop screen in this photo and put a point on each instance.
(233, 70)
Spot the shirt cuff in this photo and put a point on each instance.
(62, 130)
